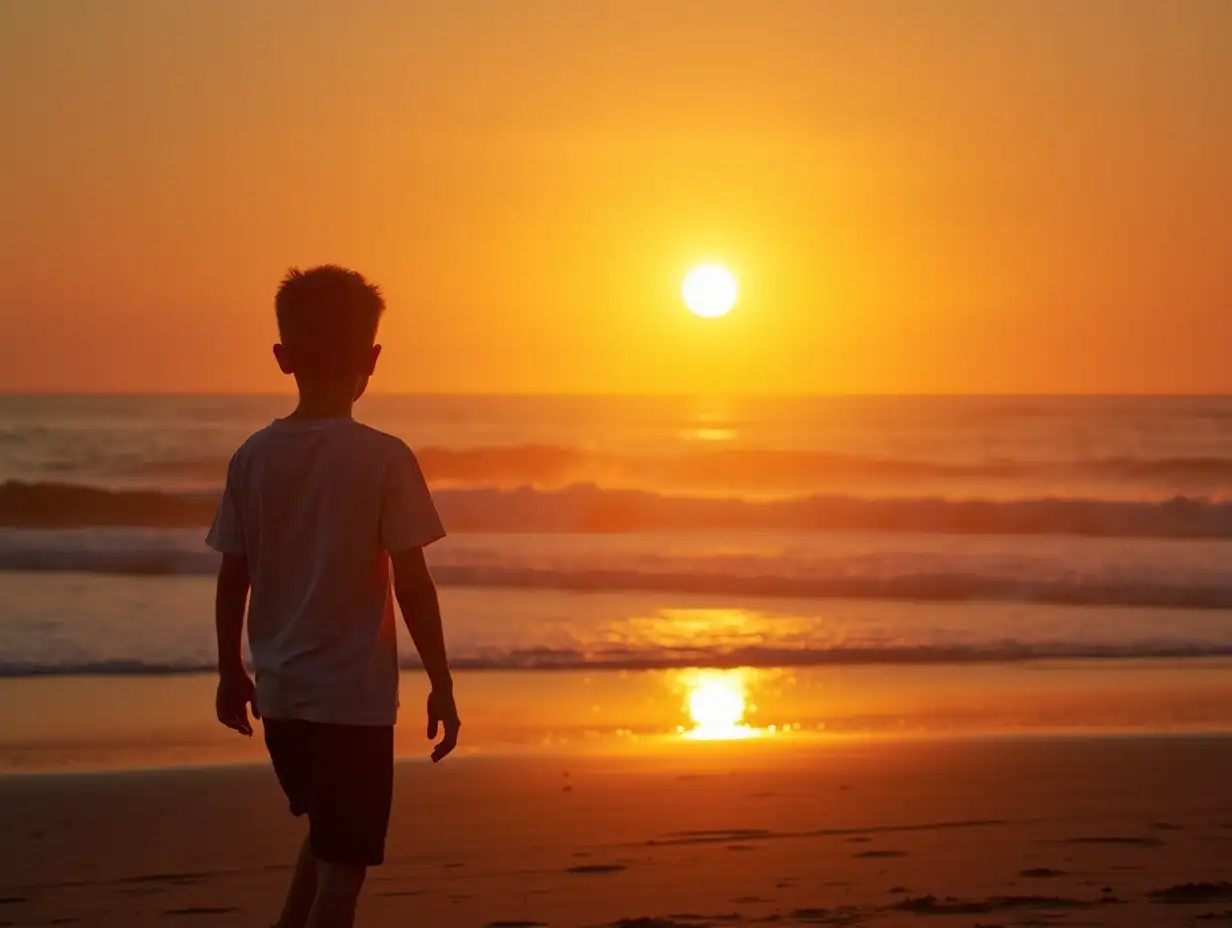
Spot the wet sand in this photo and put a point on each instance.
(1015, 831)
(116, 722)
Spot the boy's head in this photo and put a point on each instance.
(327, 320)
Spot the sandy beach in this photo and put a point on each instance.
(1115, 831)
(1038, 793)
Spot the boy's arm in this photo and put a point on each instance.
(422, 613)
(235, 687)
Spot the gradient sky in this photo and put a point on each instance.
(916, 196)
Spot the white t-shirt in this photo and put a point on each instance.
(316, 507)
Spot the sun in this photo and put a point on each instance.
(709, 291)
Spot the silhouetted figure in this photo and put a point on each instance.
(315, 509)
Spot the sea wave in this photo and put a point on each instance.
(893, 568)
(547, 465)
(718, 469)
(591, 509)
(564, 659)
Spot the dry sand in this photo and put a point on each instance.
(1012, 832)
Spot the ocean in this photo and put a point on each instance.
(824, 539)
(654, 532)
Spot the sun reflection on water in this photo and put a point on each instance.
(709, 434)
(704, 633)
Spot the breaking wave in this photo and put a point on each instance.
(727, 469)
(589, 509)
(920, 568)
(665, 659)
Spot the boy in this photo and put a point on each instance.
(315, 509)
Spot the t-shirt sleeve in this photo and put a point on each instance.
(226, 535)
(408, 515)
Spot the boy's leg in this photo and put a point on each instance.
(349, 815)
(338, 887)
(303, 890)
(290, 744)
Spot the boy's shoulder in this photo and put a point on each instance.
(377, 437)
(281, 432)
(360, 433)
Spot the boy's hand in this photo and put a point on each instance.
(442, 711)
(235, 692)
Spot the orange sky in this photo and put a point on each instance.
(916, 196)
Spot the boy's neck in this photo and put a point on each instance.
(324, 400)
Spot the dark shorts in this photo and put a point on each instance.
(342, 778)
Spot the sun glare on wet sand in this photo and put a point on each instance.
(716, 704)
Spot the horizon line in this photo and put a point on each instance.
(538, 394)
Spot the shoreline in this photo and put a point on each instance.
(670, 749)
(155, 722)
(1196, 658)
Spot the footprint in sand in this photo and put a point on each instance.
(1193, 894)
(879, 855)
(596, 869)
(713, 836)
(931, 905)
(199, 910)
(176, 879)
(1125, 841)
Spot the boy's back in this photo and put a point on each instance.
(316, 511)
(315, 506)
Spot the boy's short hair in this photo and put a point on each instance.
(327, 319)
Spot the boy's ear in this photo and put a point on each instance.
(283, 357)
(370, 369)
